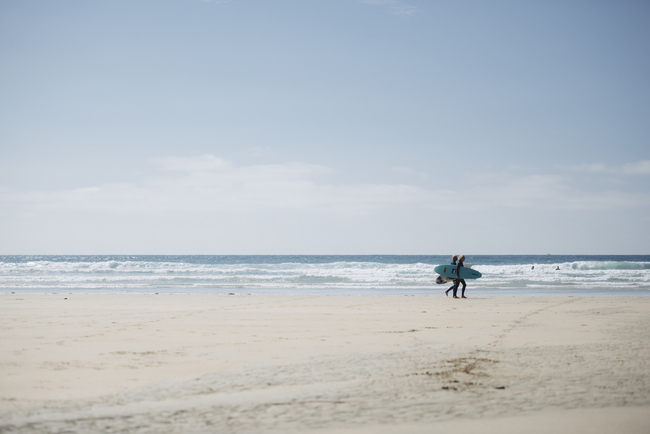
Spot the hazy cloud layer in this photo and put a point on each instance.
(207, 205)
(209, 184)
(212, 184)
(549, 192)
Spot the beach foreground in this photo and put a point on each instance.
(215, 363)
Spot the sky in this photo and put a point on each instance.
(324, 127)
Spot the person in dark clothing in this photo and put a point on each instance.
(459, 280)
(455, 283)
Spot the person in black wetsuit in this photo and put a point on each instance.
(459, 280)
(453, 262)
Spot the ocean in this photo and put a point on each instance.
(608, 275)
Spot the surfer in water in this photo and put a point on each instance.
(459, 281)
(455, 281)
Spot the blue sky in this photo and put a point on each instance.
(333, 127)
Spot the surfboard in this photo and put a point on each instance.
(444, 279)
(449, 270)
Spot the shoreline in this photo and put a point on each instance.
(331, 292)
(319, 363)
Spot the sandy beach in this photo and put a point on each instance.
(323, 364)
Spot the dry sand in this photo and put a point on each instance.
(319, 364)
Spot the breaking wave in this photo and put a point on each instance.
(323, 275)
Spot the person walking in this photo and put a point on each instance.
(455, 281)
(458, 281)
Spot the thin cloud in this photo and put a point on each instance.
(591, 168)
(639, 168)
(544, 192)
(259, 151)
(192, 164)
(410, 172)
(395, 7)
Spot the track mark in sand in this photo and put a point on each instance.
(403, 331)
(460, 373)
(518, 322)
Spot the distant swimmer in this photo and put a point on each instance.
(532, 268)
(557, 268)
(453, 262)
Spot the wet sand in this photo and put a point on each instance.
(323, 364)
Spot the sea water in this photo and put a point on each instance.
(324, 275)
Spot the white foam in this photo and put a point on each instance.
(325, 276)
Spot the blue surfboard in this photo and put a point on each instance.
(449, 270)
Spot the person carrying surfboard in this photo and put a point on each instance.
(459, 281)
(458, 272)
(453, 262)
